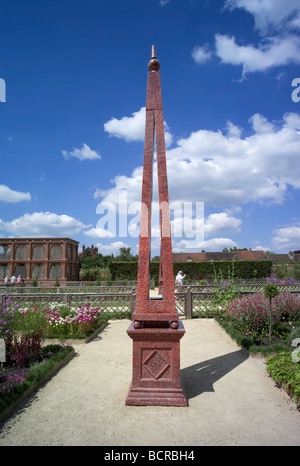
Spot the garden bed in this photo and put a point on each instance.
(277, 355)
(261, 347)
(17, 383)
(267, 324)
(76, 341)
(286, 374)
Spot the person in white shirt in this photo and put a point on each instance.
(179, 278)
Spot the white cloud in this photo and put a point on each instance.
(99, 233)
(219, 223)
(112, 248)
(42, 224)
(214, 244)
(287, 238)
(260, 124)
(132, 185)
(128, 128)
(270, 14)
(273, 51)
(201, 54)
(278, 23)
(295, 23)
(215, 225)
(85, 153)
(224, 171)
(9, 195)
(292, 120)
(233, 130)
(261, 248)
(133, 128)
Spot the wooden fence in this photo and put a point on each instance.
(191, 301)
(107, 302)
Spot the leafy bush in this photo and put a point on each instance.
(271, 290)
(250, 313)
(204, 282)
(226, 290)
(285, 272)
(285, 372)
(34, 282)
(94, 274)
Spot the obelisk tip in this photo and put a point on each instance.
(153, 64)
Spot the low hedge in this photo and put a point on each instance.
(198, 270)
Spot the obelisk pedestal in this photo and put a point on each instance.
(156, 367)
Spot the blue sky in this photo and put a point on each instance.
(72, 120)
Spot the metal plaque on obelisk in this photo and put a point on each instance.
(155, 329)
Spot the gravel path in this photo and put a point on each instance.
(231, 399)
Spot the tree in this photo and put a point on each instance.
(155, 259)
(125, 255)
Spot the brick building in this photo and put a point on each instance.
(46, 259)
(89, 251)
(218, 256)
(290, 258)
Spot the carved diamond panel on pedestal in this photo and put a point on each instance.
(155, 364)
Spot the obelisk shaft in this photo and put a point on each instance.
(147, 309)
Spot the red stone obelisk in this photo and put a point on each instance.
(155, 330)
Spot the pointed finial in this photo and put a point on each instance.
(153, 52)
(153, 64)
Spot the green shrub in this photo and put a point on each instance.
(285, 372)
(196, 270)
(34, 282)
